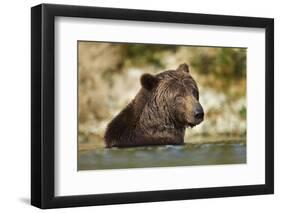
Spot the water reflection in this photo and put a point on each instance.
(163, 156)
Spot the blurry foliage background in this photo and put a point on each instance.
(109, 79)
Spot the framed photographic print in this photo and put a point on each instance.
(139, 106)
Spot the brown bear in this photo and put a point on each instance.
(164, 107)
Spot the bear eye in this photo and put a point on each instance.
(195, 93)
(178, 98)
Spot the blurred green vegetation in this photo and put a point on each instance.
(144, 54)
(224, 63)
(226, 66)
(243, 112)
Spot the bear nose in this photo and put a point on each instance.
(199, 113)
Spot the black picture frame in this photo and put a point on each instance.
(43, 102)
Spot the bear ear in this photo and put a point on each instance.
(183, 67)
(148, 81)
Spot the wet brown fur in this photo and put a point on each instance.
(160, 112)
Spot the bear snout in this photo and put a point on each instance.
(198, 113)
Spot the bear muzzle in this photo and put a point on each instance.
(197, 116)
(199, 113)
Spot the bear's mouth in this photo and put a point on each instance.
(190, 125)
(193, 124)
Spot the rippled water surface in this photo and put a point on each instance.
(163, 156)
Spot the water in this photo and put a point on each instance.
(163, 156)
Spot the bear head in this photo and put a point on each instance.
(174, 95)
